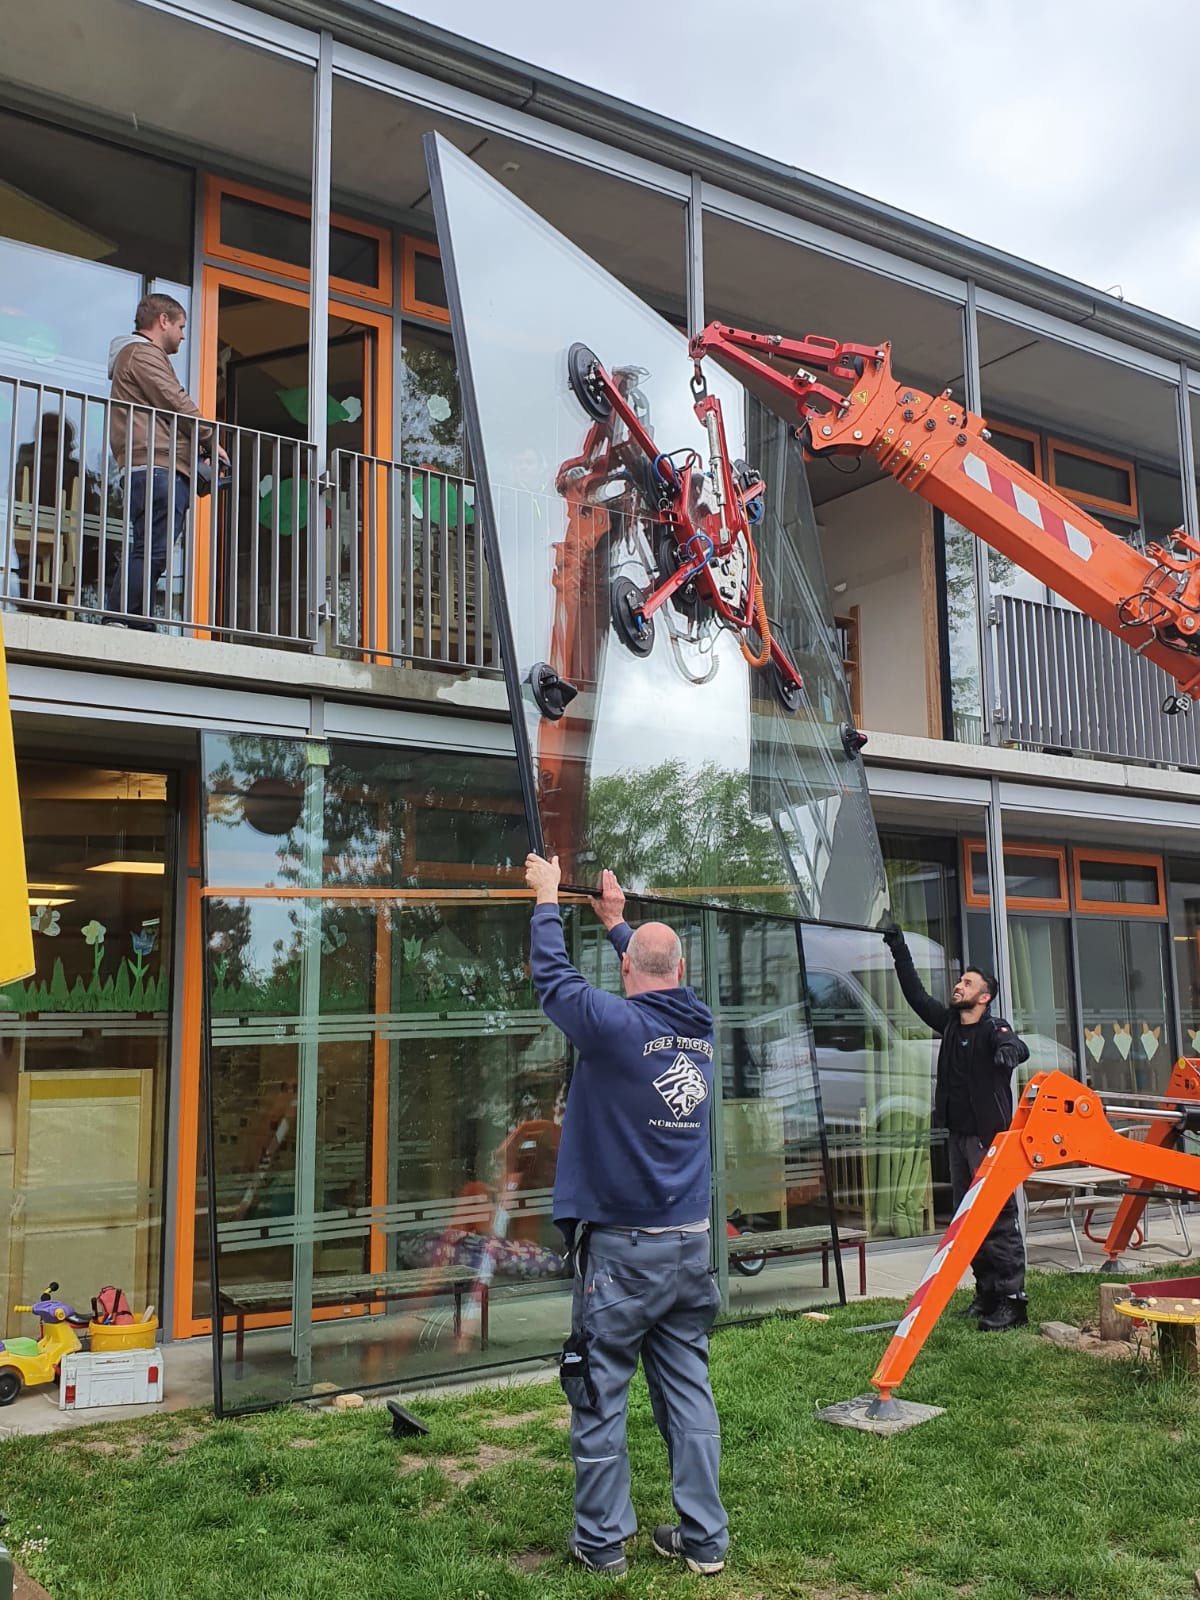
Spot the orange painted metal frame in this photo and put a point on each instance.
(1128, 508)
(1183, 1087)
(410, 249)
(1058, 1122)
(1118, 908)
(377, 430)
(191, 1023)
(977, 901)
(215, 188)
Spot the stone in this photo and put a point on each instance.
(348, 1402)
(1060, 1332)
(816, 1316)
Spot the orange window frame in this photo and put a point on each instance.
(1118, 908)
(377, 419)
(216, 188)
(1128, 508)
(1016, 902)
(1009, 430)
(410, 249)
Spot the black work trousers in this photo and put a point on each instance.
(999, 1264)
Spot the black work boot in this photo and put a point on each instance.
(981, 1306)
(1012, 1311)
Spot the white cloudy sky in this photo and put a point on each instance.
(1065, 132)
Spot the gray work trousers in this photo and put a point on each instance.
(999, 1264)
(653, 1295)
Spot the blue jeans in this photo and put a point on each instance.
(163, 535)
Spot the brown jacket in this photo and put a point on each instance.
(141, 373)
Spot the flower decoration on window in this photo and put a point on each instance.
(45, 920)
(93, 933)
(331, 941)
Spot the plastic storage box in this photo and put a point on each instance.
(116, 1378)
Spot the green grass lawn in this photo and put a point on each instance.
(1053, 1473)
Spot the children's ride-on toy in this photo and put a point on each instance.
(26, 1362)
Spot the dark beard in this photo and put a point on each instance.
(963, 1005)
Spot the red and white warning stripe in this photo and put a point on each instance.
(1027, 506)
(931, 1271)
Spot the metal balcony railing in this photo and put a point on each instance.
(376, 560)
(1066, 683)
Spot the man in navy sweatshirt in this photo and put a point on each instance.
(632, 1190)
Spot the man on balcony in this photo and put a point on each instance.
(155, 454)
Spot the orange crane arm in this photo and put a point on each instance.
(1059, 1121)
(1184, 1088)
(938, 449)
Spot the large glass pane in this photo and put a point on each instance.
(1041, 1006)
(1185, 943)
(774, 1169)
(875, 1065)
(84, 1064)
(677, 764)
(1123, 997)
(385, 1093)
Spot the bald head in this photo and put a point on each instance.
(653, 959)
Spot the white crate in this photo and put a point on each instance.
(116, 1378)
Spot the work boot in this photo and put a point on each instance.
(981, 1306)
(1012, 1311)
(604, 1563)
(668, 1541)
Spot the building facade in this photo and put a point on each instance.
(312, 752)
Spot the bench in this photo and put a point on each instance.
(782, 1242)
(251, 1299)
(1096, 1183)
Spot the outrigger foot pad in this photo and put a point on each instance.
(552, 693)
(870, 1413)
(635, 630)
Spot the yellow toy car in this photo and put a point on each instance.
(27, 1362)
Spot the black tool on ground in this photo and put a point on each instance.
(404, 1424)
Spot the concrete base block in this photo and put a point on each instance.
(869, 1414)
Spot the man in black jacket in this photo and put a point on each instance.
(973, 1100)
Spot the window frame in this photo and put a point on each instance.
(1125, 464)
(410, 248)
(849, 621)
(1118, 908)
(1010, 430)
(215, 189)
(1019, 902)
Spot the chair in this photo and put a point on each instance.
(54, 546)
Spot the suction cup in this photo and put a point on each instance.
(625, 603)
(581, 365)
(552, 694)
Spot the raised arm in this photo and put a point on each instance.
(574, 1005)
(930, 1011)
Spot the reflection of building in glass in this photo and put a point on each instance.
(279, 839)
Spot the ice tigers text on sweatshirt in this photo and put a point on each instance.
(635, 1143)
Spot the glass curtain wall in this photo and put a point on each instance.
(386, 1097)
(84, 1043)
